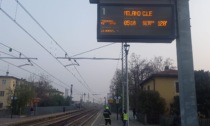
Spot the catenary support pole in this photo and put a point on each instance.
(188, 106)
(126, 72)
(123, 99)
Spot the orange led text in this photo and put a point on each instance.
(129, 22)
(137, 13)
(107, 30)
(147, 22)
(162, 23)
(111, 22)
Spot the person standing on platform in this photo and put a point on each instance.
(125, 118)
(107, 114)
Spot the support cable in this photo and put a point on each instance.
(66, 54)
(32, 63)
(39, 44)
(49, 36)
(92, 50)
(29, 71)
(16, 12)
(39, 24)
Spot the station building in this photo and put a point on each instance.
(7, 83)
(165, 83)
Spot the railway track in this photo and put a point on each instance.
(74, 118)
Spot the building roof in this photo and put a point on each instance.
(167, 73)
(55, 91)
(10, 77)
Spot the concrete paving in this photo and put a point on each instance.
(99, 121)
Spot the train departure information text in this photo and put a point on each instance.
(135, 22)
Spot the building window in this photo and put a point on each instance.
(1, 93)
(148, 88)
(13, 83)
(177, 87)
(1, 105)
(3, 81)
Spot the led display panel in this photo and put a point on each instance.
(135, 23)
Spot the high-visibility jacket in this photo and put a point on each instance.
(125, 116)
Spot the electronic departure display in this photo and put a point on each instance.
(135, 23)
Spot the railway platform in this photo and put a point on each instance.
(99, 120)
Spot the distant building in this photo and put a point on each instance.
(166, 83)
(6, 83)
(52, 92)
(66, 93)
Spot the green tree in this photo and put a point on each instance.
(150, 103)
(175, 107)
(42, 89)
(140, 69)
(202, 81)
(56, 100)
(22, 96)
(116, 83)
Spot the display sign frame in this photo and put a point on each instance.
(155, 37)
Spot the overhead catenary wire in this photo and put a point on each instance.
(16, 11)
(91, 50)
(25, 69)
(90, 58)
(56, 44)
(28, 71)
(66, 54)
(67, 86)
(31, 72)
(39, 24)
(39, 44)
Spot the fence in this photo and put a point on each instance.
(38, 111)
(5, 113)
(174, 121)
(49, 110)
(148, 119)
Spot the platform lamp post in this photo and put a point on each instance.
(13, 99)
(105, 101)
(127, 47)
(117, 101)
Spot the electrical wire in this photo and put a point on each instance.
(39, 25)
(23, 68)
(87, 86)
(41, 76)
(92, 50)
(16, 12)
(35, 64)
(32, 62)
(40, 44)
(53, 40)
(88, 52)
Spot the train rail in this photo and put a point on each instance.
(73, 118)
